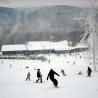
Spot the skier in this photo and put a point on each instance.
(63, 72)
(51, 76)
(10, 65)
(28, 76)
(27, 67)
(49, 61)
(74, 63)
(39, 76)
(89, 71)
(79, 73)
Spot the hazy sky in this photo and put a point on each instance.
(28, 3)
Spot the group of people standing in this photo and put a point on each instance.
(51, 76)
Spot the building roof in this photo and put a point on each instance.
(18, 47)
(47, 45)
(40, 45)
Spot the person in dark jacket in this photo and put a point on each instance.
(89, 71)
(39, 76)
(51, 76)
(63, 72)
(28, 76)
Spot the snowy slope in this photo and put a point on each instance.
(13, 74)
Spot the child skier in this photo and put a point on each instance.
(51, 76)
(28, 76)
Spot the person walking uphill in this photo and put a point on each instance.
(39, 76)
(51, 76)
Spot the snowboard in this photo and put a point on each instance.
(56, 87)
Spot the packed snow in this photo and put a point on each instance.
(13, 75)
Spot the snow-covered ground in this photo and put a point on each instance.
(13, 74)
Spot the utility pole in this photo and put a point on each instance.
(26, 48)
(51, 40)
(0, 47)
(93, 31)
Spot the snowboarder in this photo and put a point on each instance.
(63, 72)
(28, 76)
(89, 71)
(51, 76)
(39, 76)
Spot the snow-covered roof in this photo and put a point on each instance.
(18, 47)
(41, 45)
(38, 45)
(62, 45)
(81, 45)
(46, 45)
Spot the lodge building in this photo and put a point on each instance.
(39, 47)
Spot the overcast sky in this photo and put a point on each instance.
(29, 3)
